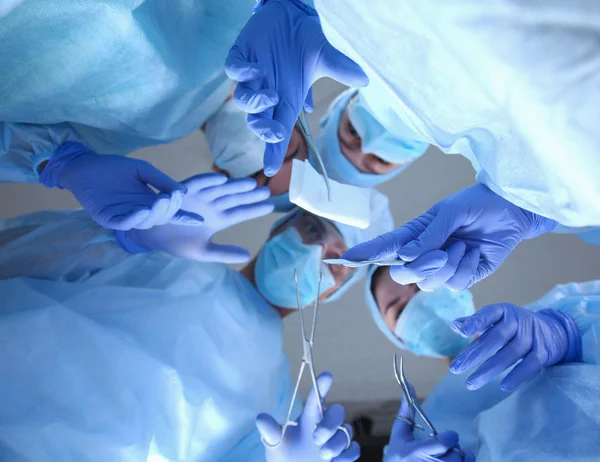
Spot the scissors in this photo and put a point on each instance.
(307, 361)
(310, 141)
(412, 401)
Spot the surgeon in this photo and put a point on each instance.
(439, 324)
(518, 424)
(415, 320)
(187, 353)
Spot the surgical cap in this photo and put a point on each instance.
(233, 145)
(381, 222)
(376, 139)
(236, 149)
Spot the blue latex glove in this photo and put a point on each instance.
(403, 446)
(116, 191)
(223, 203)
(276, 58)
(489, 226)
(314, 438)
(511, 334)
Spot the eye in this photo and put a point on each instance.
(313, 231)
(351, 129)
(382, 162)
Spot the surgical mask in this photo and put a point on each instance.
(274, 270)
(424, 324)
(233, 145)
(376, 139)
(338, 167)
(282, 202)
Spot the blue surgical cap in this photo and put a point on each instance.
(376, 139)
(381, 222)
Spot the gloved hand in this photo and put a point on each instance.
(115, 190)
(222, 202)
(276, 58)
(489, 226)
(510, 334)
(314, 438)
(403, 446)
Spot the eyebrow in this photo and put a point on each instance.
(319, 223)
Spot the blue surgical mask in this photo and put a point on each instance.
(424, 324)
(274, 270)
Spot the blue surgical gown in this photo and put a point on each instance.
(116, 75)
(555, 417)
(524, 108)
(108, 356)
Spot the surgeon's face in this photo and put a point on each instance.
(350, 144)
(280, 182)
(390, 296)
(317, 230)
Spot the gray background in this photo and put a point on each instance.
(348, 343)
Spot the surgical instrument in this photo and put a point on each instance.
(412, 401)
(310, 141)
(307, 361)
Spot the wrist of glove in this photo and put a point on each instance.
(130, 242)
(62, 157)
(568, 325)
(539, 225)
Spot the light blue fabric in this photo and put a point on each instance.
(23, 147)
(381, 221)
(338, 167)
(591, 237)
(439, 69)
(274, 270)
(423, 327)
(122, 73)
(555, 417)
(6, 6)
(522, 425)
(144, 356)
(282, 202)
(424, 324)
(376, 139)
(234, 147)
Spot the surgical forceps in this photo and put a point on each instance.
(307, 361)
(412, 401)
(310, 141)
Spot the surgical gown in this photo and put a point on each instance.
(513, 86)
(116, 75)
(555, 417)
(108, 356)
